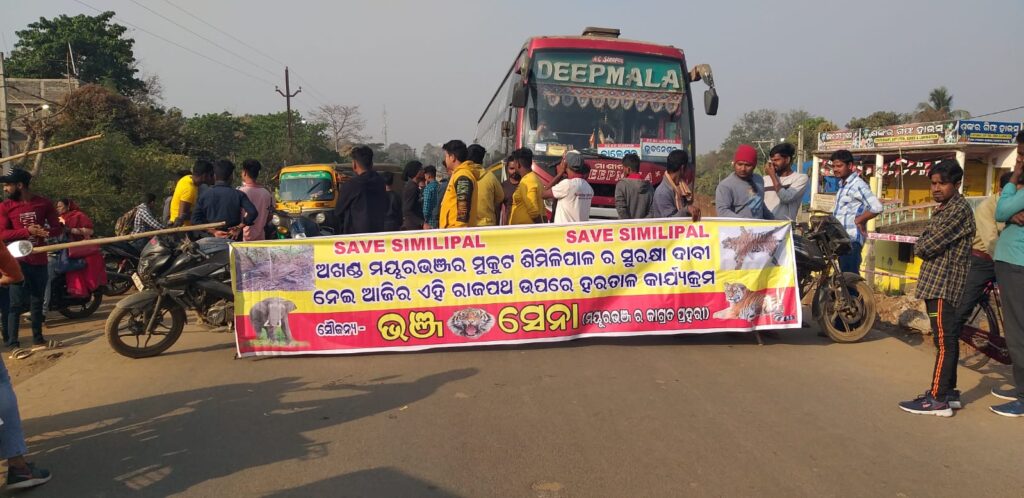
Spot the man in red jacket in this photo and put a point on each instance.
(26, 216)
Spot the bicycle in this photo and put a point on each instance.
(983, 332)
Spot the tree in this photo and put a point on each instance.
(939, 107)
(109, 176)
(879, 119)
(101, 53)
(399, 152)
(432, 154)
(263, 137)
(344, 125)
(212, 136)
(791, 121)
(812, 126)
(711, 169)
(752, 127)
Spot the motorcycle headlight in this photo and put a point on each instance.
(276, 220)
(320, 218)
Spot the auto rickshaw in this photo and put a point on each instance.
(309, 190)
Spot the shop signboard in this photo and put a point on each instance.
(987, 132)
(835, 140)
(908, 135)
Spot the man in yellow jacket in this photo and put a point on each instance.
(488, 202)
(527, 201)
(459, 204)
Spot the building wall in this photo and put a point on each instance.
(25, 98)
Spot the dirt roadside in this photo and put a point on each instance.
(72, 334)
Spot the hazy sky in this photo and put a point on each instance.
(436, 64)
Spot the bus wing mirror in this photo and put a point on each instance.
(532, 115)
(711, 101)
(702, 72)
(519, 95)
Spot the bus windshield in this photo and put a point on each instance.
(607, 104)
(306, 186)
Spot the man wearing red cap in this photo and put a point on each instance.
(741, 194)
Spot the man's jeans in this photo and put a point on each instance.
(51, 271)
(26, 296)
(5, 309)
(12, 439)
(850, 262)
(1011, 281)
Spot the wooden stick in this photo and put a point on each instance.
(125, 238)
(48, 149)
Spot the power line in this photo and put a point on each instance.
(314, 91)
(998, 112)
(172, 21)
(225, 33)
(199, 54)
(316, 94)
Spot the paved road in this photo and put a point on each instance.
(696, 416)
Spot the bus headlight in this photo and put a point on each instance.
(275, 220)
(320, 218)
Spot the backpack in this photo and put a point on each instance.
(126, 223)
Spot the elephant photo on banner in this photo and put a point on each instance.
(269, 315)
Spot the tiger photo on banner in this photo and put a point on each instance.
(505, 285)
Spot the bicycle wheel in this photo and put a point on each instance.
(978, 334)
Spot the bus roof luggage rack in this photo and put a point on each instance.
(601, 32)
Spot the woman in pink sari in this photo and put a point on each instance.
(78, 226)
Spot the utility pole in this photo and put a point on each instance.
(385, 127)
(800, 147)
(5, 130)
(287, 94)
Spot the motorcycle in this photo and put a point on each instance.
(121, 260)
(175, 274)
(843, 303)
(72, 307)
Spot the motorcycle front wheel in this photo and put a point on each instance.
(126, 329)
(849, 323)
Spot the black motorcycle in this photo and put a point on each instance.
(175, 274)
(121, 260)
(843, 304)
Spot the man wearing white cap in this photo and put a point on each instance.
(570, 190)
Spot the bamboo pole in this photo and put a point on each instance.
(48, 149)
(125, 238)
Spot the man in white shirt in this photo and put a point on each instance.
(783, 188)
(570, 190)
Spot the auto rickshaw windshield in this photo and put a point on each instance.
(306, 186)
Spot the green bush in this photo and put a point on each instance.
(107, 177)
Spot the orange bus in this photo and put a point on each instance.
(600, 95)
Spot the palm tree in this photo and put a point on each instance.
(939, 107)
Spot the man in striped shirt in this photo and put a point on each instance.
(855, 205)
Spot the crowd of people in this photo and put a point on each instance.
(470, 195)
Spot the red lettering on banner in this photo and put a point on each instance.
(588, 236)
(359, 246)
(438, 243)
(660, 232)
